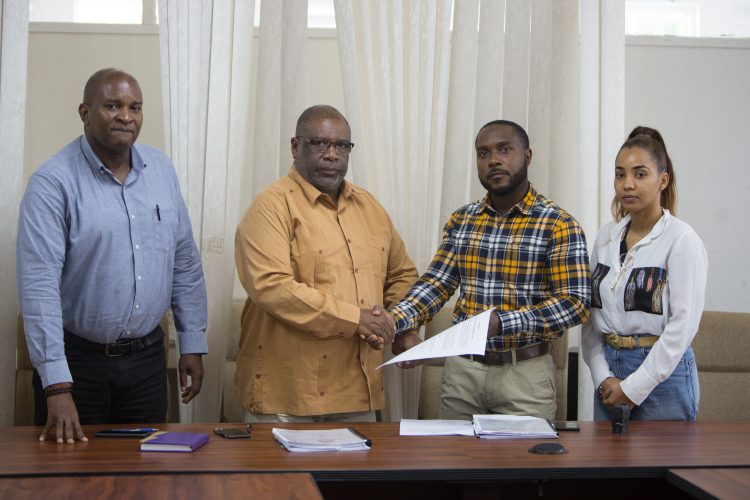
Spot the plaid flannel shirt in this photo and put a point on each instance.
(530, 263)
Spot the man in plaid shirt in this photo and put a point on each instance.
(514, 251)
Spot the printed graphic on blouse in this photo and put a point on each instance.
(644, 290)
(596, 280)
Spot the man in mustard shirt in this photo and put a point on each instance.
(319, 258)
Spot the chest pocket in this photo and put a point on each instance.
(165, 229)
(596, 281)
(644, 290)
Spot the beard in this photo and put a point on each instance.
(326, 182)
(515, 180)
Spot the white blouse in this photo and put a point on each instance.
(658, 290)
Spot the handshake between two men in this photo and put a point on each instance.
(377, 327)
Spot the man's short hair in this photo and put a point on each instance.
(318, 112)
(92, 84)
(519, 131)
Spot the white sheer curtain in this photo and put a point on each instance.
(416, 95)
(206, 50)
(280, 96)
(14, 37)
(602, 131)
(395, 63)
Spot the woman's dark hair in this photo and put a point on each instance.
(651, 141)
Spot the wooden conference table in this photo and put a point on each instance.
(597, 461)
(712, 483)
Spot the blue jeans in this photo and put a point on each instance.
(674, 399)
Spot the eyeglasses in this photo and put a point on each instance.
(322, 145)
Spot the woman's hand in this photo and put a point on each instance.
(611, 393)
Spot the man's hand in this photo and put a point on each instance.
(611, 394)
(63, 416)
(492, 328)
(376, 327)
(190, 364)
(404, 342)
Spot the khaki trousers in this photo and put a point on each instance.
(524, 388)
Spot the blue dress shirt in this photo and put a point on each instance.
(105, 260)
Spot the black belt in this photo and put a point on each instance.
(119, 348)
(506, 357)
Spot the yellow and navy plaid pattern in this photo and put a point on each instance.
(531, 264)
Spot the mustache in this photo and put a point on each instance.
(496, 170)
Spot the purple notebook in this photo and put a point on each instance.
(174, 441)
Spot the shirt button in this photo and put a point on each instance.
(127, 333)
(137, 247)
(356, 270)
(132, 216)
(325, 356)
(139, 278)
(137, 306)
(349, 240)
(257, 375)
(361, 301)
(322, 393)
(320, 251)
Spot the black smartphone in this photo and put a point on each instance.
(233, 433)
(567, 425)
(125, 433)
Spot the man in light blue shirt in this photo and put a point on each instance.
(104, 248)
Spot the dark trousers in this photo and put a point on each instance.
(113, 390)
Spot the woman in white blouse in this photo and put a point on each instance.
(647, 290)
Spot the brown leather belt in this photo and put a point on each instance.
(630, 341)
(119, 348)
(506, 357)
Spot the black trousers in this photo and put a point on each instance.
(113, 390)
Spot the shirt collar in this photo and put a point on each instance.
(524, 206)
(313, 194)
(618, 229)
(96, 165)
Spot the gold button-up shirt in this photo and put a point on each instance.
(308, 267)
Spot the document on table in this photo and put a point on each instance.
(512, 426)
(412, 427)
(467, 337)
(345, 439)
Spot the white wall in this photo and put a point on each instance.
(60, 62)
(697, 93)
(63, 56)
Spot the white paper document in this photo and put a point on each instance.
(411, 427)
(512, 426)
(346, 439)
(467, 337)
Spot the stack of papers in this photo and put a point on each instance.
(346, 439)
(512, 426)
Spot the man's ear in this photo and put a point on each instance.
(527, 155)
(295, 145)
(83, 112)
